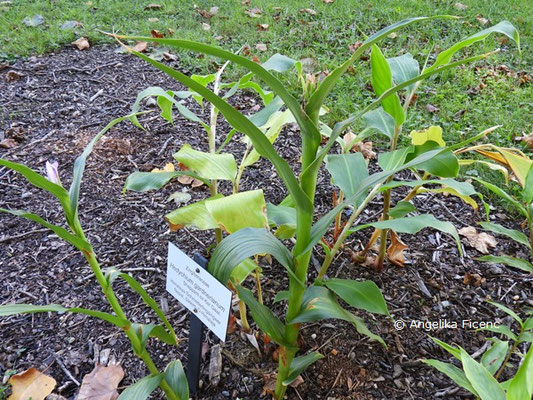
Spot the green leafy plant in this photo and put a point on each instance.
(515, 164)
(295, 215)
(483, 379)
(172, 380)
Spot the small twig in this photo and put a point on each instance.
(96, 95)
(21, 235)
(65, 370)
(164, 146)
(335, 382)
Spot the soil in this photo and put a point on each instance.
(53, 105)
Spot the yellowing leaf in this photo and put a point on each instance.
(467, 199)
(101, 383)
(512, 159)
(479, 240)
(395, 250)
(169, 167)
(31, 384)
(433, 133)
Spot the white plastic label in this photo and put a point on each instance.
(199, 291)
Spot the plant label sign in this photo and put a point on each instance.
(199, 291)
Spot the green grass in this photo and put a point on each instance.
(325, 37)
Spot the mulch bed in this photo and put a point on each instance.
(58, 103)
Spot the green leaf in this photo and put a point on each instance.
(365, 295)
(508, 311)
(452, 372)
(279, 63)
(462, 188)
(503, 329)
(500, 192)
(281, 296)
(299, 364)
(527, 194)
(503, 27)
(194, 215)
(144, 331)
(235, 118)
(263, 317)
(528, 324)
(521, 385)
(382, 81)
(454, 351)
(526, 337)
(240, 210)
(511, 233)
(177, 380)
(141, 389)
(401, 209)
(433, 133)
(143, 181)
(493, 358)
(79, 243)
(392, 160)
(444, 165)
(379, 119)
(320, 303)
(481, 379)
(284, 218)
(348, 172)
(207, 165)
(243, 270)
(403, 68)
(514, 262)
(247, 242)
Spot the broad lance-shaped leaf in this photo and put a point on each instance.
(243, 270)
(284, 218)
(144, 331)
(527, 194)
(507, 197)
(463, 188)
(517, 236)
(514, 262)
(454, 373)
(177, 380)
(79, 243)
(207, 165)
(300, 364)
(503, 27)
(401, 209)
(263, 317)
(382, 81)
(433, 133)
(141, 389)
(347, 172)
(231, 213)
(245, 243)
(144, 181)
(403, 68)
(365, 295)
(320, 303)
(508, 311)
(493, 358)
(444, 165)
(512, 159)
(521, 386)
(379, 119)
(483, 382)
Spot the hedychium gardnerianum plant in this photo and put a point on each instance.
(217, 213)
(173, 380)
(318, 301)
(391, 118)
(484, 379)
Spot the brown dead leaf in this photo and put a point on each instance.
(309, 11)
(8, 143)
(155, 33)
(101, 383)
(269, 383)
(481, 241)
(348, 138)
(431, 108)
(334, 352)
(254, 12)
(232, 324)
(208, 14)
(185, 180)
(527, 139)
(140, 47)
(354, 46)
(196, 183)
(365, 148)
(170, 31)
(395, 250)
(297, 382)
(153, 6)
(460, 6)
(256, 59)
(523, 78)
(205, 26)
(473, 280)
(82, 43)
(169, 167)
(261, 47)
(458, 115)
(170, 57)
(481, 20)
(245, 2)
(31, 384)
(262, 27)
(12, 76)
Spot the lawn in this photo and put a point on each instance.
(323, 31)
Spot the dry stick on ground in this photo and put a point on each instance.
(21, 235)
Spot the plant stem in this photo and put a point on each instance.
(507, 357)
(244, 318)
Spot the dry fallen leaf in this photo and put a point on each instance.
(269, 383)
(101, 383)
(140, 47)
(392, 35)
(327, 1)
(208, 14)
(254, 12)
(13, 76)
(169, 167)
(354, 46)
(253, 340)
(309, 11)
(297, 382)
(365, 148)
(527, 139)
(349, 138)
(473, 279)
(153, 6)
(170, 57)
(431, 108)
(479, 240)
(232, 324)
(481, 20)
(262, 27)
(82, 43)
(460, 6)
(31, 384)
(205, 26)
(155, 33)
(395, 250)
(261, 47)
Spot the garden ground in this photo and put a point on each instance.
(59, 102)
